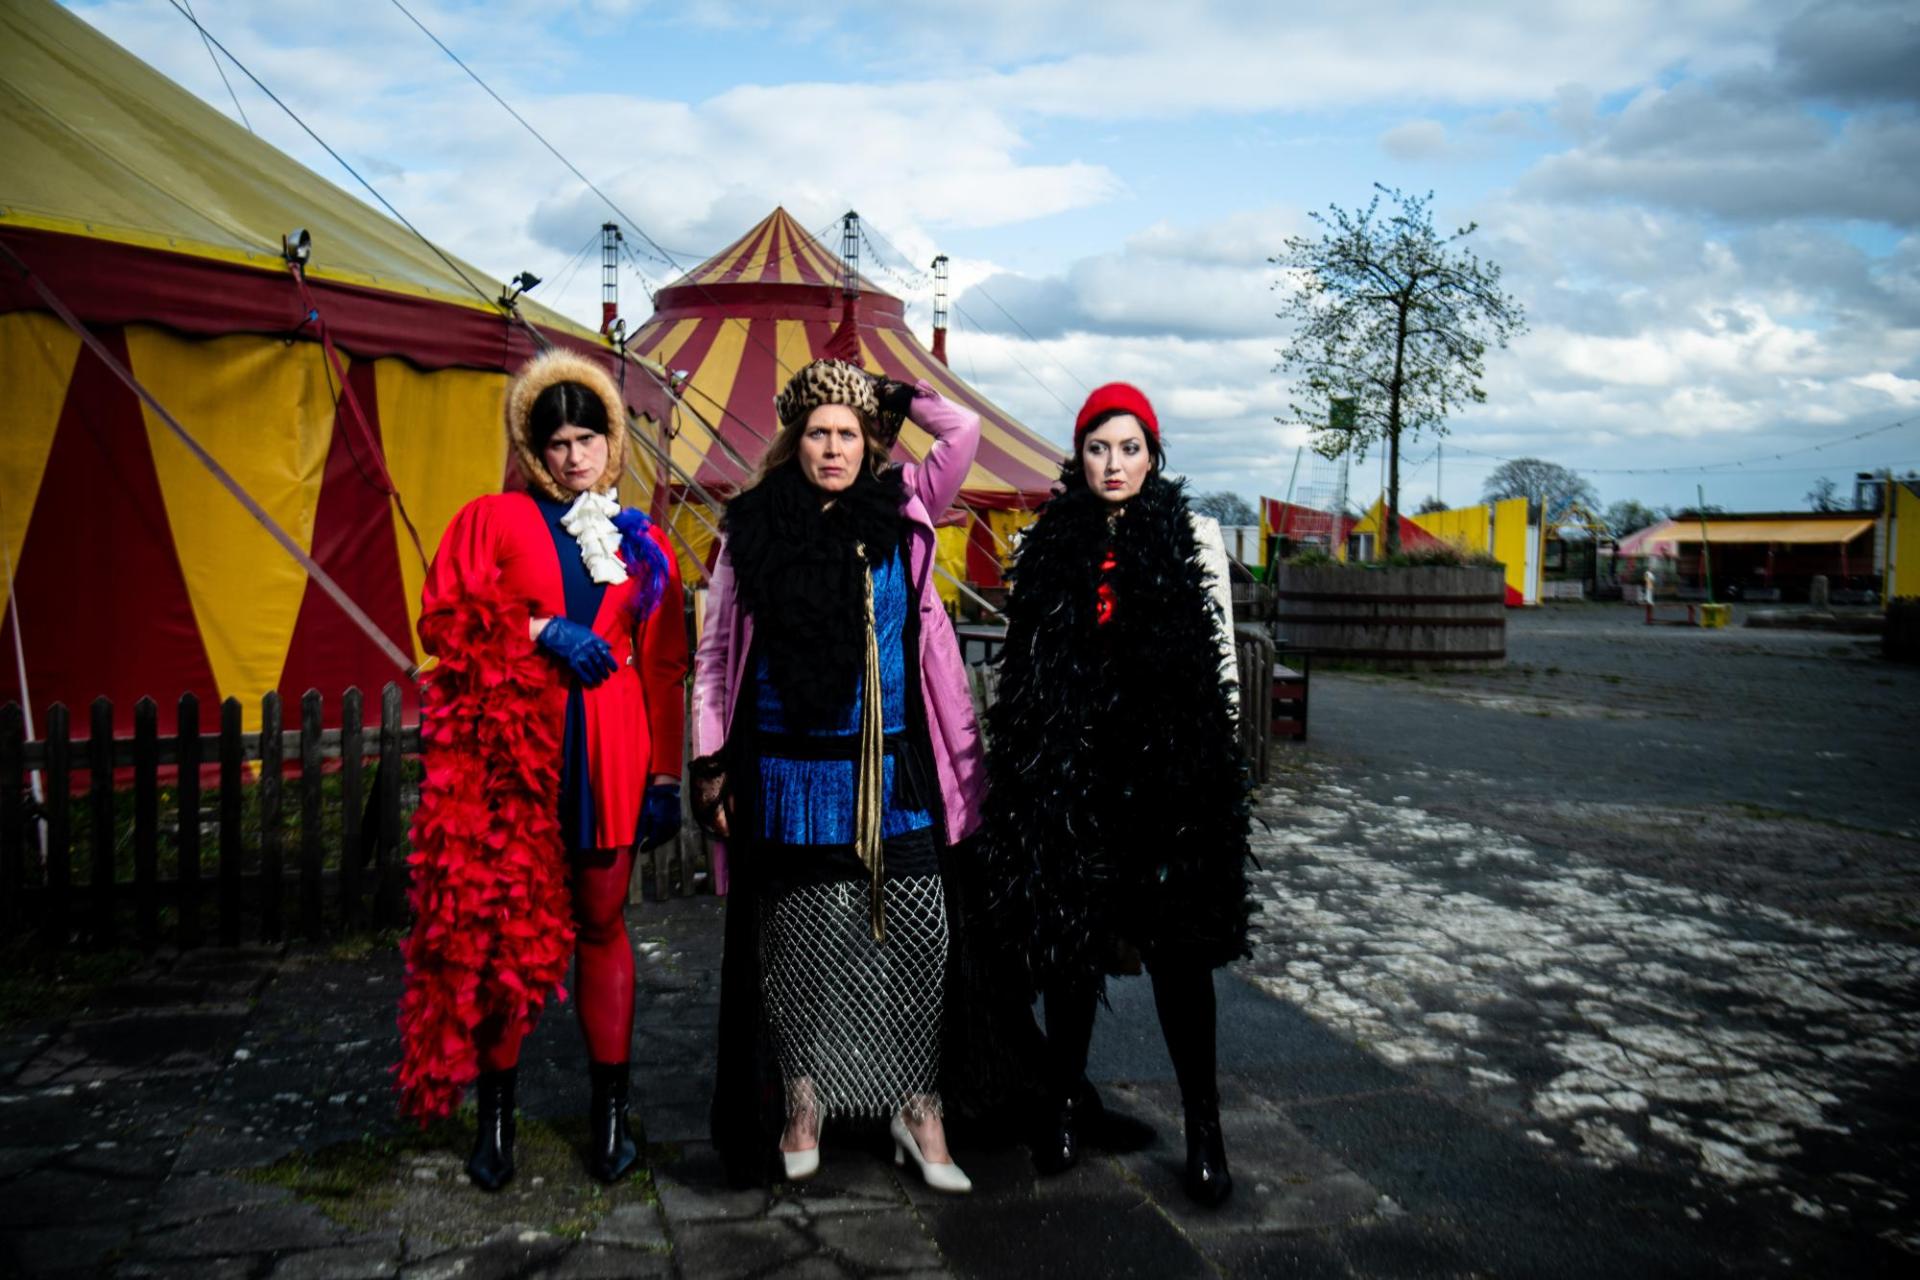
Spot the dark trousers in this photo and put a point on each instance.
(1182, 996)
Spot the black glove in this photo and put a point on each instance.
(709, 793)
(896, 397)
(659, 816)
(590, 657)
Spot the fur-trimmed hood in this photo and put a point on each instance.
(548, 369)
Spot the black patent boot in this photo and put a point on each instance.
(490, 1167)
(614, 1153)
(1057, 1131)
(1208, 1180)
(1056, 1140)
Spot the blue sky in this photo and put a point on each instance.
(1709, 208)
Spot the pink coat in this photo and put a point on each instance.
(720, 665)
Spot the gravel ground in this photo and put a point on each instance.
(1649, 895)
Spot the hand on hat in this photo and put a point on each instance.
(895, 397)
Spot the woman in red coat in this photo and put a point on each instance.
(552, 731)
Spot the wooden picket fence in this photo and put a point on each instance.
(346, 868)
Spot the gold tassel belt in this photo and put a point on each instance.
(869, 802)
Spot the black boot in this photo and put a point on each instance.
(1208, 1180)
(614, 1153)
(1056, 1139)
(491, 1164)
(1183, 997)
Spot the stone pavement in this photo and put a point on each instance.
(1523, 1005)
(228, 1114)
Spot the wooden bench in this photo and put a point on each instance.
(1288, 718)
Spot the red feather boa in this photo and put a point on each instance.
(493, 919)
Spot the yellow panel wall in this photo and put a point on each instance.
(1903, 564)
(1468, 528)
(1510, 544)
(950, 553)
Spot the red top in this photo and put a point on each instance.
(1103, 603)
(636, 719)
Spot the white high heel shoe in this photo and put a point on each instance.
(801, 1165)
(941, 1177)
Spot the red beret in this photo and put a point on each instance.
(1122, 397)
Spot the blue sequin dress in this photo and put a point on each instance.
(807, 778)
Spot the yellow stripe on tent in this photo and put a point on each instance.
(445, 438)
(669, 345)
(1003, 440)
(713, 383)
(264, 409)
(37, 355)
(762, 250)
(724, 263)
(789, 273)
(792, 351)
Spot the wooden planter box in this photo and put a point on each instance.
(1394, 618)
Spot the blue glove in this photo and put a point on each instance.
(590, 657)
(659, 816)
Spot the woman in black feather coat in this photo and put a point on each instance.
(1118, 804)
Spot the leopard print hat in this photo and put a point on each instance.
(835, 382)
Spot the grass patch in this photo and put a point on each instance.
(361, 946)
(38, 984)
(415, 1179)
(356, 1183)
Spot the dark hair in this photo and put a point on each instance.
(565, 404)
(1074, 473)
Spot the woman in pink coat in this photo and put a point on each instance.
(837, 805)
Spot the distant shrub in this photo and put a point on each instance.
(1443, 556)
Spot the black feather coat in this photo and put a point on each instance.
(1118, 806)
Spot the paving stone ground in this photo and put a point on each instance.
(1529, 1000)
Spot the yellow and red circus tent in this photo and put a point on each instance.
(159, 222)
(741, 323)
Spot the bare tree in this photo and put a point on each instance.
(1391, 326)
(1628, 516)
(1227, 508)
(1548, 487)
(1825, 495)
(1429, 504)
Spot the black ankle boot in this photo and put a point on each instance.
(614, 1153)
(491, 1164)
(1056, 1139)
(1208, 1181)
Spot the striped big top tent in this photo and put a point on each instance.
(159, 223)
(737, 326)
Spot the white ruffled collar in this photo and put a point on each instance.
(590, 521)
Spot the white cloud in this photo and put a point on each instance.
(1415, 140)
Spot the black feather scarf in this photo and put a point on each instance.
(1118, 805)
(796, 572)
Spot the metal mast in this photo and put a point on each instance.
(609, 274)
(940, 308)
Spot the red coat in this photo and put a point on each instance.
(636, 718)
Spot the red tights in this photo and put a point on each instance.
(603, 955)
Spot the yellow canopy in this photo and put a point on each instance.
(1815, 531)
